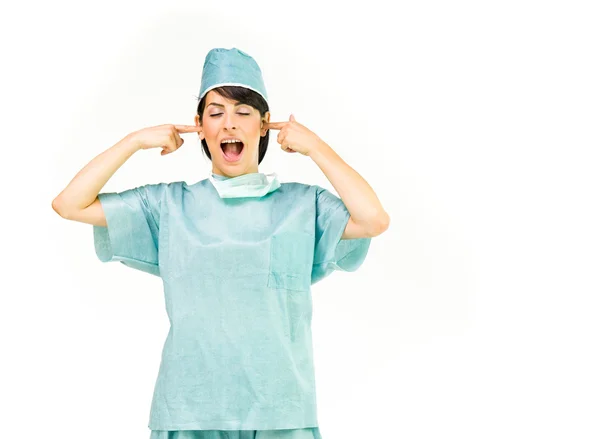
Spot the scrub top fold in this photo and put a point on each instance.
(237, 276)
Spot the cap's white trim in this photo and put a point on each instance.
(233, 83)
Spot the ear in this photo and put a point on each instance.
(198, 123)
(265, 119)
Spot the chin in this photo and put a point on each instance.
(231, 172)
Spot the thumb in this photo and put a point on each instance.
(292, 118)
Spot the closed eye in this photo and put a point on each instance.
(218, 114)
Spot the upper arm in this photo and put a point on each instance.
(353, 231)
(93, 214)
(132, 231)
(340, 243)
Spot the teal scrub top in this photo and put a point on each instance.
(237, 276)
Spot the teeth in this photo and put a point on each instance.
(231, 141)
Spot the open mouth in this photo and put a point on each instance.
(232, 151)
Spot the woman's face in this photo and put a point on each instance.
(222, 119)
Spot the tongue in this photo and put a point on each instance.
(232, 149)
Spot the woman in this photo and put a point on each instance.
(237, 253)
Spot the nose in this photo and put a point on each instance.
(229, 123)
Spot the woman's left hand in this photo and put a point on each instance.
(295, 137)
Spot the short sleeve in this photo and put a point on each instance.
(331, 251)
(132, 232)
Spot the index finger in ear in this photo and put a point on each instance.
(188, 128)
(275, 125)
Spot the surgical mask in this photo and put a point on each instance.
(255, 184)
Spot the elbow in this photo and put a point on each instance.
(379, 225)
(384, 223)
(58, 208)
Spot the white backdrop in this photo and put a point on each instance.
(474, 315)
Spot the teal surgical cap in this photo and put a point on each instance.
(231, 67)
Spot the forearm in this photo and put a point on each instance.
(87, 183)
(358, 197)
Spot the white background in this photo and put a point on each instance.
(477, 123)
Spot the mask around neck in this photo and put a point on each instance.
(255, 184)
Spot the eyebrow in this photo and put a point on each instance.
(221, 105)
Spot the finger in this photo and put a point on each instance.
(174, 144)
(292, 118)
(280, 137)
(188, 128)
(177, 139)
(275, 125)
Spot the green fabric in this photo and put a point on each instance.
(237, 276)
(231, 67)
(254, 184)
(301, 433)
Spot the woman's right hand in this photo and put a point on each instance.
(163, 136)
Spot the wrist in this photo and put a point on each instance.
(128, 145)
(132, 143)
(318, 149)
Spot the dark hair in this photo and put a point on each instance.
(241, 95)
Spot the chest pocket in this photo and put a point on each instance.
(290, 263)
